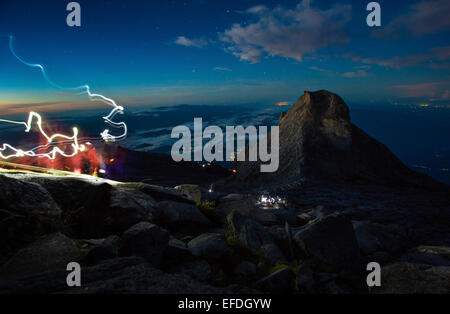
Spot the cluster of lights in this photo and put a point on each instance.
(265, 200)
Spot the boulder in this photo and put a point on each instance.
(375, 237)
(157, 192)
(190, 190)
(408, 278)
(278, 282)
(73, 193)
(330, 242)
(429, 255)
(50, 252)
(175, 252)
(105, 249)
(128, 207)
(84, 202)
(211, 246)
(20, 196)
(146, 240)
(253, 237)
(178, 216)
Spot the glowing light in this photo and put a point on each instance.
(77, 171)
(55, 139)
(234, 171)
(50, 139)
(270, 201)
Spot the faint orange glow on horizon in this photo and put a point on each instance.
(24, 107)
(283, 103)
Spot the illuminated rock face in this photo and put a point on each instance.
(319, 142)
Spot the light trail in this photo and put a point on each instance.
(50, 139)
(61, 138)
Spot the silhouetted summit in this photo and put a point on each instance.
(319, 142)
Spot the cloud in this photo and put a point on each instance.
(445, 96)
(289, 33)
(421, 18)
(315, 68)
(197, 43)
(434, 90)
(359, 73)
(436, 58)
(49, 106)
(223, 69)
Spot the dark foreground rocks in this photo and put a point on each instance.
(124, 275)
(140, 238)
(408, 278)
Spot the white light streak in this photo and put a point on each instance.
(57, 138)
(50, 140)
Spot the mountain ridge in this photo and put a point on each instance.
(318, 142)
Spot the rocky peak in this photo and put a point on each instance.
(320, 113)
(319, 142)
(321, 105)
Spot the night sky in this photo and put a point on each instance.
(224, 52)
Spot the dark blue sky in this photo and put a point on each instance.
(225, 52)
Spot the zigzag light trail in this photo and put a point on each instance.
(52, 155)
(52, 139)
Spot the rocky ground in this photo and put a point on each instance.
(339, 201)
(142, 238)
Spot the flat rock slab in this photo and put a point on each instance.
(120, 275)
